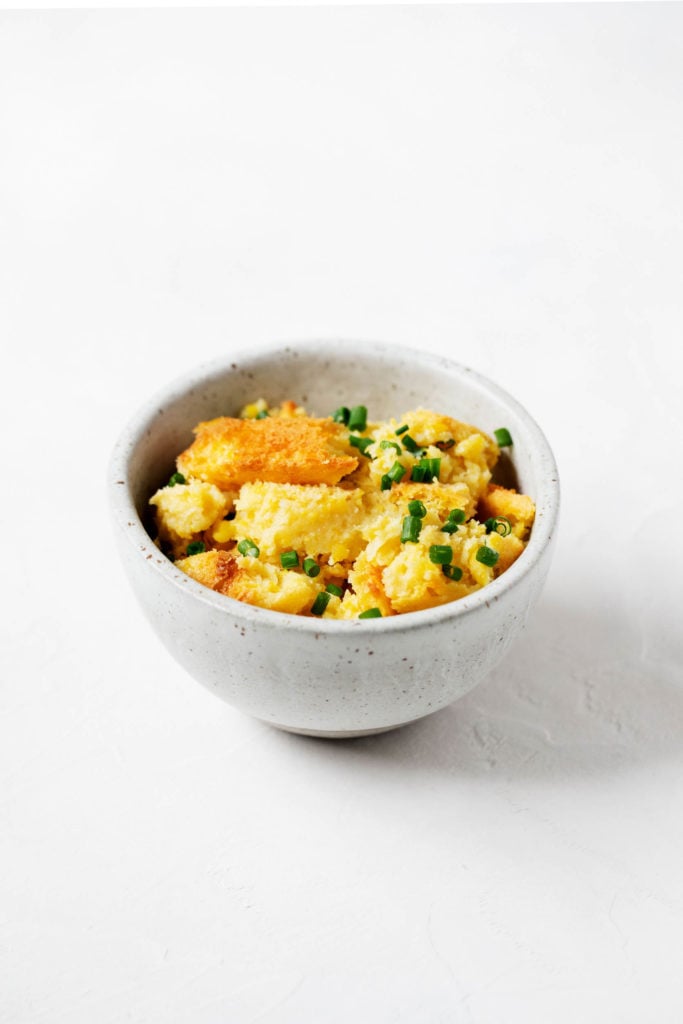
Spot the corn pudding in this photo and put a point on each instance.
(341, 517)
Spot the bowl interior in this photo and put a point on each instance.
(388, 380)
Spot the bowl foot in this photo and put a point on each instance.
(338, 734)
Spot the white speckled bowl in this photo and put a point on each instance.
(309, 675)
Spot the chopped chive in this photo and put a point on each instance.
(445, 445)
(262, 415)
(487, 556)
(177, 478)
(500, 525)
(410, 529)
(333, 589)
(341, 415)
(441, 554)
(385, 484)
(289, 559)
(456, 517)
(454, 572)
(416, 508)
(247, 547)
(311, 567)
(417, 474)
(358, 418)
(196, 547)
(401, 430)
(502, 436)
(396, 473)
(320, 604)
(433, 467)
(356, 441)
(371, 613)
(390, 444)
(410, 444)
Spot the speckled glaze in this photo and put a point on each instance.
(308, 675)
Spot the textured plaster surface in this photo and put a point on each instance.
(499, 184)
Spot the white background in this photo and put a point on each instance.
(502, 184)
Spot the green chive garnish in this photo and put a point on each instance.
(196, 547)
(262, 415)
(401, 430)
(356, 441)
(247, 547)
(333, 589)
(416, 508)
(341, 415)
(396, 473)
(502, 436)
(432, 469)
(390, 444)
(358, 418)
(417, 474)
(487, 556)
(311, 567)
(320, 604)
(441, 554)
(289, 559)
(454, 572)
(371, 613)
(500, 525)
(177, 478)
(410, 444)
(410, 529)
(385, 483)
(456, 517)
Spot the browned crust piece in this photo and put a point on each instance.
(214, 569)
(299, 450)
(374, 587)
(221, 571)
(499, 501)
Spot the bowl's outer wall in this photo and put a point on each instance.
(346, 679)
(345, 682)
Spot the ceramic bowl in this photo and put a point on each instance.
(330, 678)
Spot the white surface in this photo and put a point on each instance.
(499, 183)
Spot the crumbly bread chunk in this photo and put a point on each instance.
(313, 518)
(296, 450)
(466, 454)
(249, 580)
(188, 509)
(518, 508)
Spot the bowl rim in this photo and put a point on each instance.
(125, 515)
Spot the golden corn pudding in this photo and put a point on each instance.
(341, 517)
